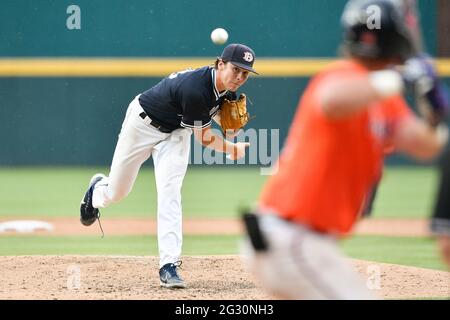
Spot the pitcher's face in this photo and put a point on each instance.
(230, 76)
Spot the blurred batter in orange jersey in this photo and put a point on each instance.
(348, 117)
(328, 166)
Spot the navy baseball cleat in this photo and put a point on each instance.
(168, 276)
(88, 214)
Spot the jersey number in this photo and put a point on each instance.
(175, 74)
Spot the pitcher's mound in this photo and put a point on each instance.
(209, 277)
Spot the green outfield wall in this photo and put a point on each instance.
(177, 28)
(77, 120)
(64, 92)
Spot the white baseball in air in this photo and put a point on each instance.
(219, 36)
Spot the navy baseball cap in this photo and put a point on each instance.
(239, 55)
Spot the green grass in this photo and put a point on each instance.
(34, 192)
(410, 251)
(112, 245)
(207, 192)
(419, 252)
(406, 192)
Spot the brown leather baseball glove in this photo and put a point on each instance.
(233, 113)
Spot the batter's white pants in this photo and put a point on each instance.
(138, 140)
(302, 264)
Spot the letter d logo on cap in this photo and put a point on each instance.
(248, 56)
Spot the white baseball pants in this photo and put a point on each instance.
(137, 141)
(302, 264)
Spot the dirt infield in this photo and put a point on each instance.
(147, 226)
(211, 277)
(122, 277)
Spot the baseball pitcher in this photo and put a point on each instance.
(159, 123)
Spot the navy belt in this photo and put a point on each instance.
(154, 123)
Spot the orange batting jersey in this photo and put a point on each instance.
(327, 167)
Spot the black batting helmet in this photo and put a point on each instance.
(376, 29)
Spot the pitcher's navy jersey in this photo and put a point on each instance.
(187, 99)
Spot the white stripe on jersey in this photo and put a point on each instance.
(197, 127)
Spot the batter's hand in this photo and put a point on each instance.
(431, 94)
(238, 150)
